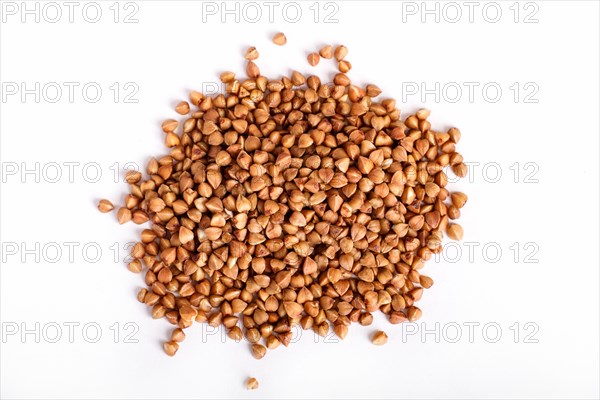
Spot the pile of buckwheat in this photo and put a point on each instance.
(290, 201)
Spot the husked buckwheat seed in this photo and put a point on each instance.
(133, 176)
(379, 338)
(182, 108)
(340, 52)
(454, 231)
(258, 351)
(313, 59)
(105, 206)
(251, 54)
(279, 39)
(289, 201)
(344, 66)
(123, 215)
(326, 52)
(171, 348)
(251, 384)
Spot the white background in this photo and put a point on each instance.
(549, 288)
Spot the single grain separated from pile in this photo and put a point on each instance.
(379, 338)
(251, 384)
(279, 39)
(289, 202)
(105, 206)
